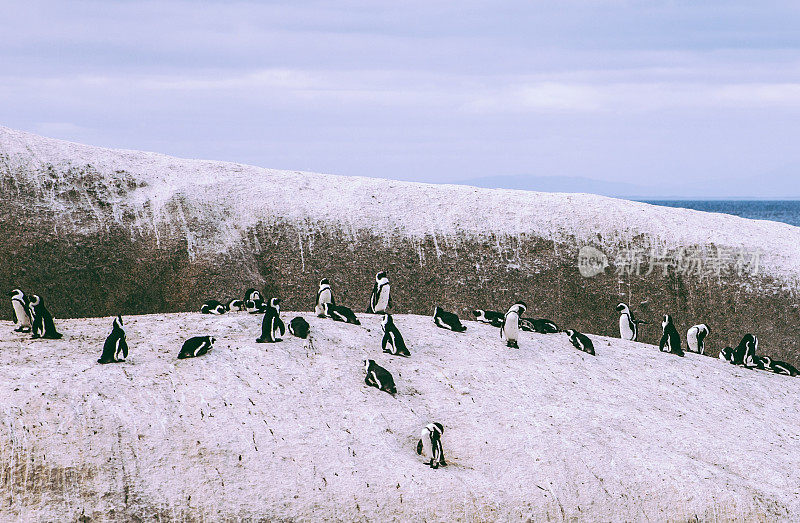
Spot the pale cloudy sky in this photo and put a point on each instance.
(643, 92)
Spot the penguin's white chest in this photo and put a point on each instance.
(325, 296)
(691, 340)
(22, 314)
(383, 299)
(511, 327)
(626, 332)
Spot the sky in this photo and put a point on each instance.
(650, 93)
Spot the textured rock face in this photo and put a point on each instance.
(99, 232)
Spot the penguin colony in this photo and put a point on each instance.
(31, 316)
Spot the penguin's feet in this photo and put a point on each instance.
(512, 345)
(35, 337)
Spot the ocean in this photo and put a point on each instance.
(786, 211)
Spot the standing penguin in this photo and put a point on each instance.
(581, 341)
(271, 326)
(392, 342)
(378, 377)
(628, 325)
(430, 445)
(745, 352)
(324, 295)
(447, 320)
(20, 310)
(196, 346)
(380, 300)
(695, 338)
(115, 349)
(670, 339)
(510, 329)
(43, 326)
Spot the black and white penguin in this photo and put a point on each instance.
(272, 327)
(695, 338)
(340, 313)
(254, 301)
(235, 305)
(493, 318)
(581, 341)
(299, 327)
(726, 354)
(628, 325)
(43, 326)
(378, 377)
(430, 445)
(447, 320)
(380, 300)
(540, 325)
(510, 329)
(392, 342)
(778, 367)
(745, 352)
(20, 310)
(670, 339)
(213, 307)
(196, 346)
(324, 295)
(115, 349)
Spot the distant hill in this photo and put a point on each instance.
(99, 231)
(771, 186)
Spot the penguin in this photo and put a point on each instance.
(254, 301)
(430, 444)
(196, 346)
(745, 352)
(340, 313)
(778, 367)
(235, 305)
(540, 325)
(271, 326)
(43, 326)
(695, 338)
(628, 325)
(580, 341)
(115, 349)
(670, 339)
(324, 295)
(213, 307)
(380, 300)
(447, 320)
(726, 354)
(510, 329)
(299, 327)
(526, 324)
(392, 342)
(493, 318)
(378, 377)
(20, 310)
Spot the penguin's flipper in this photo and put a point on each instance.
(124, 346)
